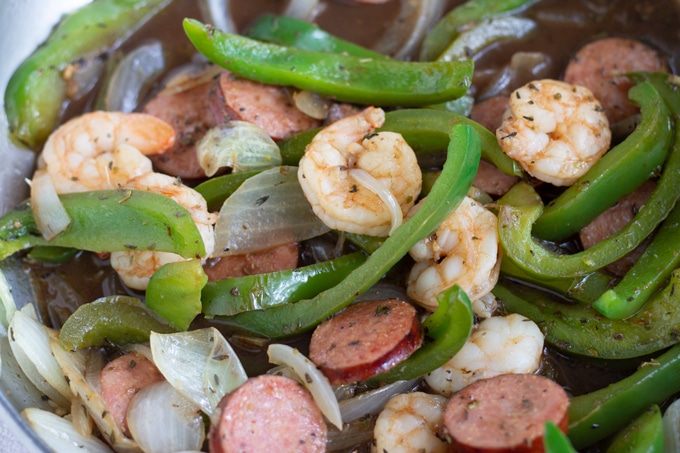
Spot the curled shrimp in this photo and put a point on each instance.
(463, 250)
(556, 131)
(358, 181)
(409, 423)
(135, 267)
(102, 150)
(498, 345)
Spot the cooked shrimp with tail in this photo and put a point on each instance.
(510, 344)
(107, 150)
(463, 250)
(357, 180)
(555, 131)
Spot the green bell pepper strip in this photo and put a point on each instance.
(230, 296)
(555, 441)
(446, 331)
(579, 329)
(107, 221)
(642, 435)
(599, 414)
(342, 77)
(292, 32)
(174, 292)
(53, 255)
(618, 173)
(425, 130)
(522, 206)
(216, 190)
(449, 27)
(118, 320)
(36, 91)
(461, 165)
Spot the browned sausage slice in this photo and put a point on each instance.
(121, 379)
(267, 106)
(365, 339)
(268, 413)
(489, 112)
(598, 64)
(613, 220)
(506, 413)
(279, 258)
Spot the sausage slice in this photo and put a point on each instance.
(278, 258)
(365, 339)
(506, 413)
(268, 413)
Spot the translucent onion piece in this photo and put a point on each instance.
(219, 14)
(365, 179)
(30, 344)
(312, 104)
(132, 76)
(416, 18)
(373, 402)
(162, 420)
(311, 377)
(59, 434)
(301, 9)
(50, 215)
(82, 76)
(74, 364)
(239, 145)
(268, 209)
(7, 305)
(80, 418)
(200, 364)
(671, 428)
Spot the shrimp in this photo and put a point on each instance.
(555, 131)
(358, 181)
(498, 345)
(102, 150)
(135, 267)
(409, 423)
(464, 250)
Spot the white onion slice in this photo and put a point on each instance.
(311, 377)
(416, 18)
(239, 145)
(267, 210)
(312, 104)
(373, 402)
(218, 13)
(671, 427)
(132, 75)
(163, 420)
(30, 344)
(365, 179)
(301, 9)
(59, 434)
(8, 305)
(50, 215)
(200, 364)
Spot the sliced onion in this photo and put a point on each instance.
(163, 420)
(312, 104)
(365, 179)
(7, 304)
(82, 76)
(311, 377)
(189, 76)
(239, 145)
(60, 434)
(132, 76)
(373, 402)
(671, 427)
(219, 14)
(30, 344)
(416, 18)
(74, 365)
(301, 9)
(268, 209)
(50, 215)
(200, 364)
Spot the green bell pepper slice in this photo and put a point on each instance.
(599, 414)
(464, 152)
(642, 435)
(618, 173)
(216, 190)
(342, 77)
(37, 91)
(174, 292)
(579, 329)
(446, 331)
(292, 32)
(230, 296)
(555, 441)
(107, 221)
(118, 320)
